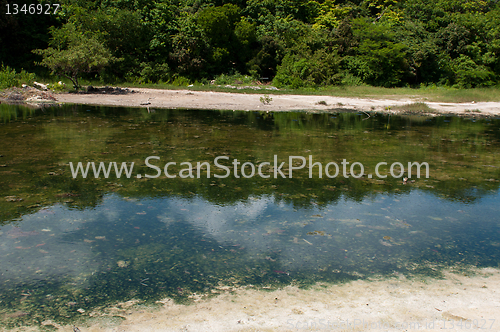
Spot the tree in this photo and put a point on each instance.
(72, 53)
(218, 25)
(190, 50)
(126, 36)
(379, 58)
(309, 69)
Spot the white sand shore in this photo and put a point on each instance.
(455, 303)
(240, 101)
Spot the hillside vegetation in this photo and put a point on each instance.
(294, 43)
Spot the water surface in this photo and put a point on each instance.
(69, 244)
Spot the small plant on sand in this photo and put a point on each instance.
(57, 87)
(322, 102)
(266, 100)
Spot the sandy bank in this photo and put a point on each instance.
(456, 303)
(239, 101)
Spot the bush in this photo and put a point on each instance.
(9, 77)
(235, 78)
(180, 81)
(56, 87)
(379, 58)
(300, 70)
(351, 80)
(154, 73)
(470, 75)
(266, 100)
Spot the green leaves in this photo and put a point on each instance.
(378, 59)
(469, 75)
(309, 69)
(73, 53)
(9, 77)
(301, 42)
(218, 22)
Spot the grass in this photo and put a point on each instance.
(425, 94)
(415, 107)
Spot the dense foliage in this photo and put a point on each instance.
(9, 77)
(293, 42)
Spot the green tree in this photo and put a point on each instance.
(331, 15)
(423, 52)
(73, 53)
(379, 59)
(125, 35)
(246, 42)
(310, 69)
(218, 24)
(190, 49)
(468, 74)
(313, 61)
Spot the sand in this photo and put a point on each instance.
(251, 102)
(457, 303)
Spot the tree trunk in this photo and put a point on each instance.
(74, 80)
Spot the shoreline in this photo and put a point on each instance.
(386, 304)
(171, 99)
(210, 100)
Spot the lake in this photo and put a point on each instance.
(70, 245)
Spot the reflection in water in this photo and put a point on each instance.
(33, 248)
(77, 243)
(359, 238)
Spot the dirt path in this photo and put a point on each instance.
(240, 101)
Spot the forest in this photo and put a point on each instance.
(291, 43)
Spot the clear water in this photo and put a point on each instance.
(68, 244)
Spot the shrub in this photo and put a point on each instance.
(235, 78)
(266, 100)
(180, 81)
(299, 70)
(470, 75)
(154, 73)
(9, 77)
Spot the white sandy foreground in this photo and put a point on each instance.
(251, 102)
(455, 303)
